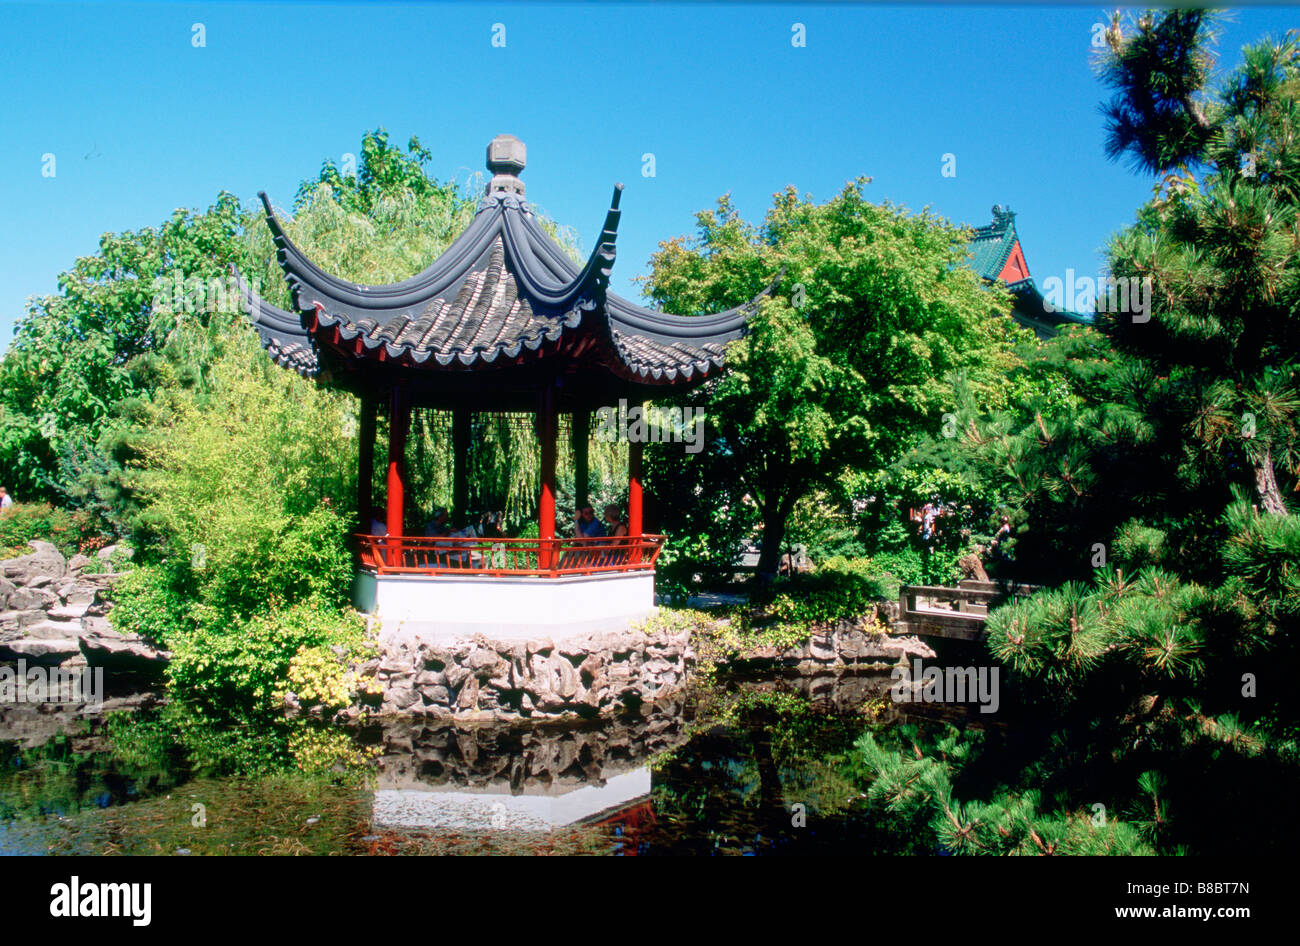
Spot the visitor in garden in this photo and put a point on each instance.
(460, 553)
(489, 525)
(587, 525)
(1004, 530)
(377, 527)
(616, 527)
(6, 501)
(614, 524)
(928, 514)
(438, 524)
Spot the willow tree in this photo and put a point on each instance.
(848, 361)
(98, 369)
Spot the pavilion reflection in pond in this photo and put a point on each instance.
(536, 810)
(444, 776)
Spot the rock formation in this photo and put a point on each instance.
(52, 612)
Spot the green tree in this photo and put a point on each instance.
(849, 360)
(1220, 247)
(79, 355)
(1158, 684)
(154, 309)
(1196, 394)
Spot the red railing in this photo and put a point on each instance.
(448, 555)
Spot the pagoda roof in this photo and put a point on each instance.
(502, 294)
(996, 254)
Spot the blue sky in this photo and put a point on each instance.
(141, 121)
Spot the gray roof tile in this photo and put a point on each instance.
(502, 290)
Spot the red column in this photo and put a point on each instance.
(634, 498)
(547, 424)
(399, 421)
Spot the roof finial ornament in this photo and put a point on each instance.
(506, 155)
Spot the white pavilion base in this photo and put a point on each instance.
(503, 608)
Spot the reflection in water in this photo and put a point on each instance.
(519, 777)
(536, 809)
(749, 767)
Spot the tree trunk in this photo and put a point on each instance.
(773, 544)
(1270, 495)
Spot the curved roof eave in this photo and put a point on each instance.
(502, 287)
(504, 216)
(281, 332)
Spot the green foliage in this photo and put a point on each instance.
(1163, 679)
(1146, 671)
(154, 601)
(245, 566)
(317, 677)
(243, 491)
(80, 354)
(1156, 117)
(889, 497)
(23, 522)
(1220, 250)
(824, 528)
(1137, 546)
(152, 312)
(916, 792)
(839, 588)
(844, 365)
(246, 666)
(1169, 414)
(383, 170)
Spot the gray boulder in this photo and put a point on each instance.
(17, 620)
(52, 630)
(45, 561)
(40, 651)
(28, 597)
(119, 653)
(68, 612)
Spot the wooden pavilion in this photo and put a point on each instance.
(502, 321)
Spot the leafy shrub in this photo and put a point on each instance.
(924, 566)
(839, 588)
(246, 665)
(318, 676)
(245, 563)
(277, 560)
(826, 529)
(26, 521)
(154, 602)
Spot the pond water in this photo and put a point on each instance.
(746, 767)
